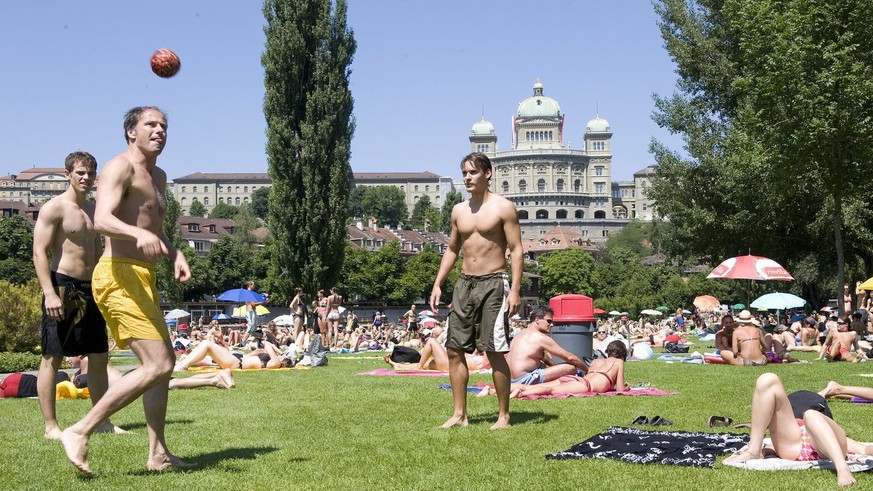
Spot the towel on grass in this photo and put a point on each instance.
(211, 369)
(642, 391)
(420, 373)
(655, 447)
(857, 463)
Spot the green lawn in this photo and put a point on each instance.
(325, 428)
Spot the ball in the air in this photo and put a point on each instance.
(165, 63)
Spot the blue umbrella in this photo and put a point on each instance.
(220, 317)
(778, 301)
(240, 295)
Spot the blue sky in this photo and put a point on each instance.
(423, 74)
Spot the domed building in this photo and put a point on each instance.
(551, 184)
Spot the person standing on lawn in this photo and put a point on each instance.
(483, 228)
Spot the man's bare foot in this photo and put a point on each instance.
(829, 389)
(455, 421)
(161, 463)
(225, 378)
(502, 422)
(108, 427)
(743, 455)
(53, 433)
(486, 390)
(76, 448)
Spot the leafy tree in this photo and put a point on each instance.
(172, 290)
(386, 203)
(354, 278)
(308, 108)
(434, 219)
(261, 202)
(634, 237)
(386, 268)
(16, 250)
(356, 202)
(419, 213)
(417, 279)
(244, 224)
(452, 198)
(21, 305)
(223, 210)
(229, 263)
(197, 209)
(567, 271)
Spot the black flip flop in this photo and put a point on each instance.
(659, 421)
(641, 420)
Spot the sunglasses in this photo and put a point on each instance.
(549, 321)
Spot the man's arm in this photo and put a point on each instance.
(448, 261)
(43, 234)
(114, 181)
(554, 349)
(512, 231)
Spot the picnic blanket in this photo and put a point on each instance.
(647, 391)
(857, 463)
(419, 373)
(213, 368)
(681, 448)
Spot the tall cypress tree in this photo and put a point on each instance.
(308, 108)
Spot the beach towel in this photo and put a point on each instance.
(681, 448)
(214, 368)
(857, 463)
(643, 391)
(420, 373)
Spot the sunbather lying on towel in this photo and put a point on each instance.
(837, 391)
(814, 437)
(222, 379)
(604, 375)
(435, 357)
(269, 357)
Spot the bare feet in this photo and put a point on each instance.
(743, 455)
(502, 422)
(180, 367)
(225, 379)
(161, 463)
(845, 478)
(486, 390)
(829, 390)
(76, 448)
(456, 421)
(53, 433)
(108, 427)
(515, 393)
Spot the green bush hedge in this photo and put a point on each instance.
(18, 362)
(21, 318)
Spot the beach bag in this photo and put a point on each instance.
(805, 400)
(675, 348)
(402, 354)
(317, 353)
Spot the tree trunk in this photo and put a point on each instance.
(838, 244)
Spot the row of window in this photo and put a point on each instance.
(483, 148)
(598, 145)
(426, 188)
(623, 193)
(230, 201)
(538, 136)
(230, 189)
(559, 215)
(559, 186)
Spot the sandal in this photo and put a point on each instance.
(659, 421)
(716, 421)
(641, 420)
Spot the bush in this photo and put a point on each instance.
(22, 316)
(19, 362)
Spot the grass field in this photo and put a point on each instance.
(326, 428)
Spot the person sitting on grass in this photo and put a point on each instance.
(813, 437)
(530, 355)
(839, 344)
(604, 375)
(268, 357)
(748, 343)
(435, 357)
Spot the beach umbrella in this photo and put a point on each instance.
(176, 314)
(284, 320)
(599, 311)
(240, 295)
(706, 302)
(614, 312)
(662, 308)
(651, 312)
(867, 285)
(751, 268)
(426, 313)
(220, 317)
(778, 301)
(738, 306)
(240, 311)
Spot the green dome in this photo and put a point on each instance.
(483, 127)
(597, 124)
(539, 106)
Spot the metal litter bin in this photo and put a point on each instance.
(574, 324)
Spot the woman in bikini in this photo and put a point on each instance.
(297, 309)
(269, 357)
(604, 375)
(321, 312)
(334, 301)
(813, 437)
(748, 342)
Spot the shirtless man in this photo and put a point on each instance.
(71, 322)
(483, 227)
(251, 313)
(529, 357)
(724, 339)
(130, 210)
(411, 319)
(839, 344)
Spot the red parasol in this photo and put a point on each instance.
(751, 268)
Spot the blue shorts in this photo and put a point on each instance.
(532, 377)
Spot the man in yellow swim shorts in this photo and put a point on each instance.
(130, 208)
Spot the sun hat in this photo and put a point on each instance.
(745, 317)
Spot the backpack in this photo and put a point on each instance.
(317, 353)
(402, 354)
(672, 347)
(805, 400)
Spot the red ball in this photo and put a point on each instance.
(165, 63)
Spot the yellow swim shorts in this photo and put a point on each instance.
(127, 294)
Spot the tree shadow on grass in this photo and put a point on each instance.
(516, 417)
(214, 459)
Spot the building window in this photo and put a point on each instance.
(522, 186)
(522, 214)
(427, 188)
(193, 227)
(606, 233)
(205, 189)
(237, 200)
(505, 187)
(221, 200)
(579, 214)
(542, 215)
(598, 171)
(245, 189)
(237, 189)
(415, 199)
(560, 214)
(415, 188)
(246, 200)
(437, 188)
(577, 185)
(598, 187)
(194, 189)
(599, 214)
(541, 185)
(183, 189)
(206, 200)
(584, 233)
(212, 229)
(184, 201)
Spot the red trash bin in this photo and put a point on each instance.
(574, 323)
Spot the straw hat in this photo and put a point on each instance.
(745, 317)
